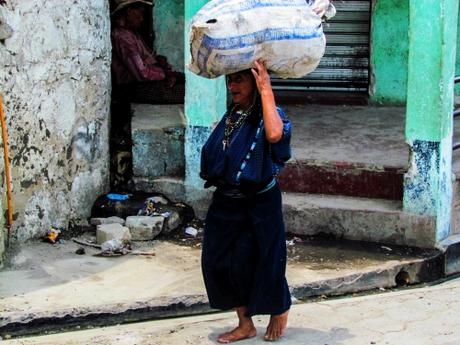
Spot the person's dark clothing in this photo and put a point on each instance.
(138, 74)
(244, 246)
(244, 254)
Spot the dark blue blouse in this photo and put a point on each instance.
(249, 163)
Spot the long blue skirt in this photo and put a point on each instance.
(244, 254)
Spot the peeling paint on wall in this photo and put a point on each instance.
(428, 183)
(55, 75)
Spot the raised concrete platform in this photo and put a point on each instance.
(158, 140)
(347, 150)
(49, 287)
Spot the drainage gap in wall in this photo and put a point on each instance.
(402, 278)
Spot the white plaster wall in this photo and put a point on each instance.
(55, 76)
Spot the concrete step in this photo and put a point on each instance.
(451, 249)
(361, 219)
(158, 140)
(343, 178)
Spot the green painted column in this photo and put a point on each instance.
(168, 25)
(432, 54)
(205, 103)
(389, 50)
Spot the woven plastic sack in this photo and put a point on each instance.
(226, 36)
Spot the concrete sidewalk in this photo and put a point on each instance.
(49, 287)
(424, 316)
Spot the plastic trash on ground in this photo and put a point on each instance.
(191, 231)
(118, 197)
(52, 234)
(226, 36)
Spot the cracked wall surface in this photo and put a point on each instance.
(55, 78)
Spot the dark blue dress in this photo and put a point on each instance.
(244, 246)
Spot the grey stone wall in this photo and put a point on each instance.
(55, 77)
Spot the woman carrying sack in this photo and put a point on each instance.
(244, 246)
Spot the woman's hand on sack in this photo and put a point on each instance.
(262, 77)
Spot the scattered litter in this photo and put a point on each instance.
(93, 245)
(297, 239)
(148, 209)
(52, 234)
(290, 243)
(386, 248)
(166, 214)
(114, 246)
(191, 231)
(118, 197)
(381, 288)
(80, 251)
(159, 200)
(124, 249)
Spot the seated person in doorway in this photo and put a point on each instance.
(138, 73)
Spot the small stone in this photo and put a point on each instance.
(106, 232)
(112, 246)
(145, 228)
(110, 220)
(172, 222)
(80, 251)
(159, 200)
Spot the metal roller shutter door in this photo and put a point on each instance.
(345, 65)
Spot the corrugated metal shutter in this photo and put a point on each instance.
(345, 65)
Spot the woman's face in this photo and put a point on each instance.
(242, 88)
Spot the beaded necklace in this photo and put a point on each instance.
(231, 126)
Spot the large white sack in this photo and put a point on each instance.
(226, 36)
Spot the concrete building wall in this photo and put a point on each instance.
(389, 51)
(55, 75)
(168, 19)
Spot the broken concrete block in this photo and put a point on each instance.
(172, 222)
(110, 220)
(144, 228)
(107, 232)
(159, 200)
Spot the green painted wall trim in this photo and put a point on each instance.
(205, 103)
(457, 72)
(168, 24)
(389, 51)
(432, 37)
(432, 58)
(205, 100)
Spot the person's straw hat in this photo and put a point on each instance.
(120, 4)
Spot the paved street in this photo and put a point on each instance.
(422, 316)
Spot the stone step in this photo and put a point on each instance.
(158, 140)
(360, 219)
(342, 178)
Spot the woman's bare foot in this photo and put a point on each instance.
(239, 333)
(245, 329)
(276, 326)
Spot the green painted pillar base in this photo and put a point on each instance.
(430, 96)
(428, 183)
